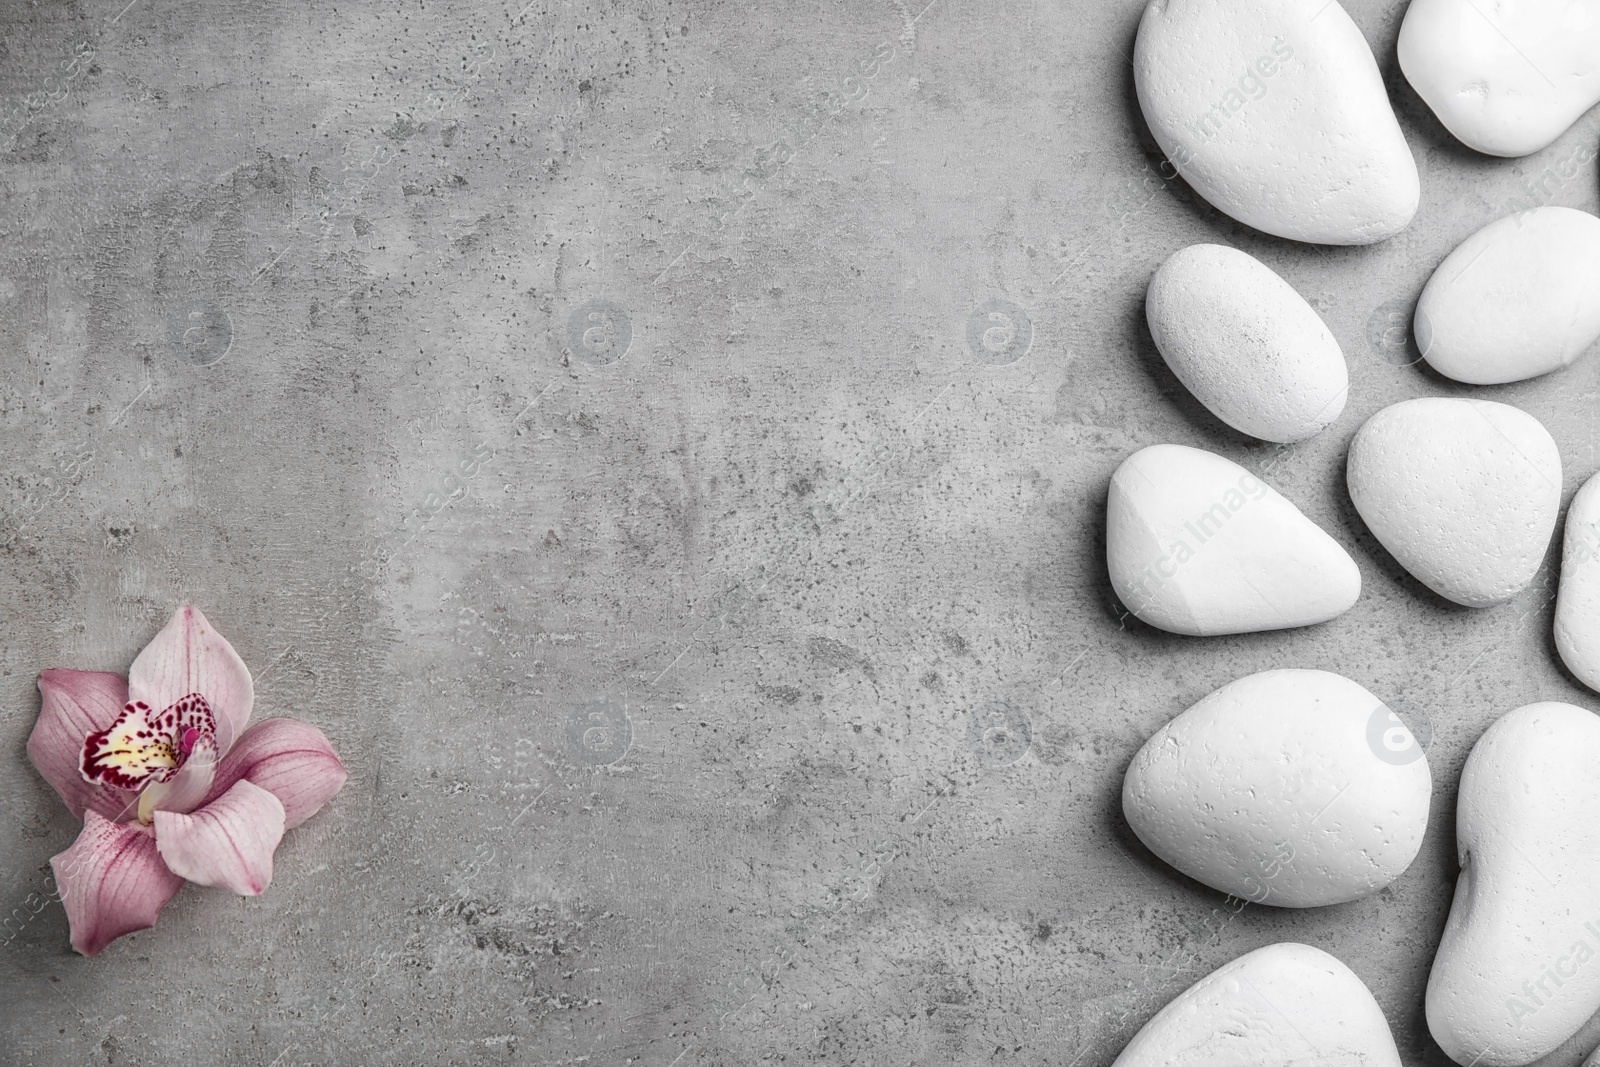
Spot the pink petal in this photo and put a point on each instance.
(74, 705)
(189, 656)
(227, 843)
(184, 791)
(112, 882)
(289, 758)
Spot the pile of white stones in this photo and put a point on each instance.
(1299, 788)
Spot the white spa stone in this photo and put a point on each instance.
(1296, 788)
(1464, 493)
(1578, 597)
(1274, 111)
(1519, 298)
(1245, 343)
(1285, 1005)
(1518, 967)
(1508, 77)
(1198, 545)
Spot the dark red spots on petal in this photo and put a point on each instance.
(140, 747)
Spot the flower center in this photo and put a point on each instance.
(144, 746)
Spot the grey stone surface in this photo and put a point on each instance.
(758, 695)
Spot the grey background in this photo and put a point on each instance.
(600, 810)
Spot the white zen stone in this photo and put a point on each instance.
(1274, 111)
(1287, 1005)
(1295, 788)
(1464, 493)
(1518, 967)
(1578, 597)
(1198, 545)
(1519, 298)
(1246, 344)
(1506, 78)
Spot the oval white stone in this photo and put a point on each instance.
(1245, 343)
(1464, 493)
(1287, 1005)
(1506, 78)
(1518, 968)
(1274, 111)
(1578, 597)
(1295, 788)
(1519, 298)
(1198, 545)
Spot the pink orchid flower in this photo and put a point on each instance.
(168, 782)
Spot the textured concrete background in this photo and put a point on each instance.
(578, 412)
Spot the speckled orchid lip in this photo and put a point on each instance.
(191, 792)
(144, 746)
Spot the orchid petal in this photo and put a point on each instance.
(227, 843)
(74, 705)
(184, 791)
(190, 656)
(112, 882)
(289, 758)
